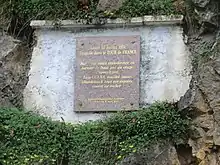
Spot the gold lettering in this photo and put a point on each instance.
(118, 63)
(129, 52)
(112, 67)
(104, 67)
(86, 53)
(120, 67)
(107, 47)
(97, 86)
(98, 77)
(115, 86)
(95, 48)
(92, 82)
(87, 68)
(122, 81)
(108, 72)
(113, 77)
(107, 81)
(121, 47)
(82, 64)
(102, 63)
(87, 77)
(105, 99)
(115, 81)
(126, 77)
(108, 50)
(111, 52)
(97, 53)
(127, 67)
(125, 81)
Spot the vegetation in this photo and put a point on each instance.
(27, 138)
(16, 15)
(73, 9)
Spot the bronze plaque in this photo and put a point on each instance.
(107, 73)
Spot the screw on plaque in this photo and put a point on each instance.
(80, 104)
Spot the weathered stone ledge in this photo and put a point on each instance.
(145, 20)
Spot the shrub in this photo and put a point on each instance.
(69, 9)
(27, 138)
(133, 8)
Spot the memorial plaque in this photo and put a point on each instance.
(107, 73)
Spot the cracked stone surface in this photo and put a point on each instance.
(202, 100)
(14, 62)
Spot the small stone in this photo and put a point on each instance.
(202, 163)
(16, 41)
(201, 3)
(109, 5)
(201, 154)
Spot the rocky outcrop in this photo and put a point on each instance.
(14, 66)
(202, 100)
(159, 154)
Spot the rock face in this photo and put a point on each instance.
(14, 64)
(202, 101)
(201, 3)
(160, 154)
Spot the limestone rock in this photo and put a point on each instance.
(14, 61)
(202, 100)
(206, 15)
(193, 100)
(159, 154)
(201, 3)
(203, 104)
(109, 5)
